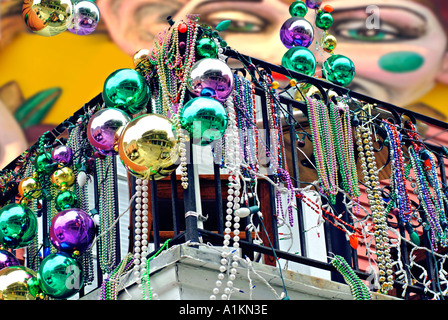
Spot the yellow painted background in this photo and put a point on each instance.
(77, 64)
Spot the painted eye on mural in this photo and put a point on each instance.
(357, 30)
(391, 24)
(242, 22)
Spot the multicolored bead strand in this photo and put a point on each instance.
(344, 146)
(323, 148)
(398, 180)
(110, 286)
(429, 203)
(106, 209)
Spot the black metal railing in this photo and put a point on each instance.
(185, 228)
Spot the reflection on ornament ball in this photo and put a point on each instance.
(126, 89)
(104, 129)
(148, 146)
(29, 188)
(18, 226)
(213, 74)
(60, 276)
(66, 199)
(339, 70)
(206, 48)
(63, 178)
(86, 16)
(72, 230)
(300, 59)
(296, 31)
(18, 283)
(205, 119)
(48, 18)
(7, 259)
(62, 154)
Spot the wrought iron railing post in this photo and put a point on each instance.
(191, 217)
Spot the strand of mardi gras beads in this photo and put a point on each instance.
(363, 134)
(358, 289)
(323, 148)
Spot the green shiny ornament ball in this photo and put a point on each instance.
(206, 48)
(18, 226)
(205, 119)
(126, 89)
(60, 276)
(298, 9)
(44, 163)
(339, 70)
(300, 59)
(65, 200)
(324, 20)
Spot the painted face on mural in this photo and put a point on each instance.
(397, 62)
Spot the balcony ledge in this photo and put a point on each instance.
(185, 272)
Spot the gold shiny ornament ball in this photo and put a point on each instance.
(329, 43)
(293, 82)
(29, 188)
(140, 56)
(148, 146)
(63, 178)
(18, 283)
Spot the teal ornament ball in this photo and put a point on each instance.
(60, 276)
(65, 200)
(18, 226)
(206, 48)
(324, 20)
(205, 119)
(339, 70)
(300, 59)
(126, 89)
(298, 9)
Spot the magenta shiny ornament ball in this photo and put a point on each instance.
(62, 154)
(104, 129)
(296, 32)
(211, 74)
(7, 259)
(72, 230)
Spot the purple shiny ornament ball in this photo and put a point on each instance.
(313, 4)
(213, 74)
(104, 129)
(72, 230)
(7, 259)
(62, 154)
(85, 18)
(296, 32)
